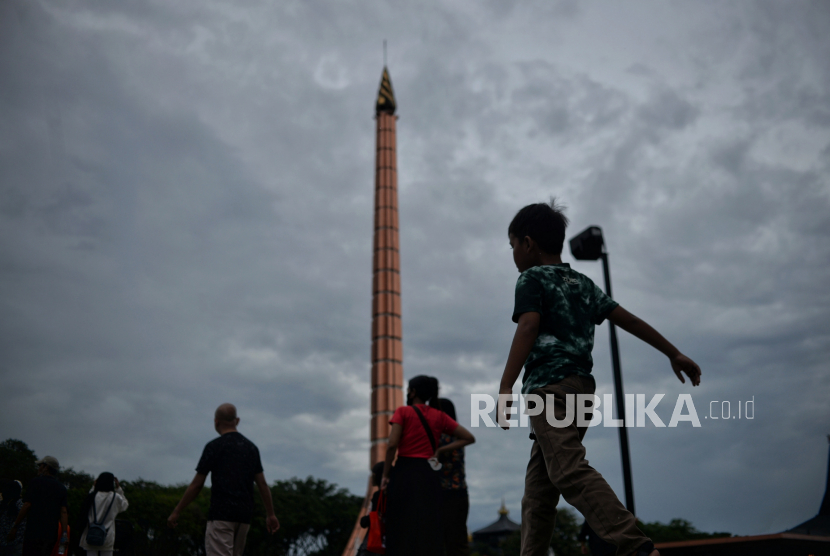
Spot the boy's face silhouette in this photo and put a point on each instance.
(526, 254)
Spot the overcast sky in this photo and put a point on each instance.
(186, 200)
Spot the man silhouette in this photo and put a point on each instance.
(234, 462)
(44, 506)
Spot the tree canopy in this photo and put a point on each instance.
(316, 517)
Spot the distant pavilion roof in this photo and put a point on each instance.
(503, 526)
(386, 96)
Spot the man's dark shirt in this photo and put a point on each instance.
(47, 497)
(233, 461)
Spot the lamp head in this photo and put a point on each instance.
(587, 245)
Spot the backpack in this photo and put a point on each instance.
(96, 534)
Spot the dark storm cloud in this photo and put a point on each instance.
(185, 206)
(150, 248)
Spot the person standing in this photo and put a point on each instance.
(104, 502)
(44, 506)
(413, 488)
(234, 463)
(9, 508)
(365, 521)
(455, 501)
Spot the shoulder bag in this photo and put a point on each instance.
(376, 537)
(433, 462)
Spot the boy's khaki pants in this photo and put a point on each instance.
(558, 466)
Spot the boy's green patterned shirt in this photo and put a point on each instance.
(570, 305)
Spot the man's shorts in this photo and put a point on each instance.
(225, 538)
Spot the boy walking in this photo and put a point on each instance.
(556, 311)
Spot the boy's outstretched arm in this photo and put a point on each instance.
(526, 332)
(641, 329)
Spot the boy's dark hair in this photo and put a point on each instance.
(545, 223)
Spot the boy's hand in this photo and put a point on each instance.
(682, 364)
(501, 408)
(384, 483)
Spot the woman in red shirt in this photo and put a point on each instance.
(412, 485)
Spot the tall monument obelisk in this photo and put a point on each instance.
(387, 346)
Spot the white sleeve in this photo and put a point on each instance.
(122, 500)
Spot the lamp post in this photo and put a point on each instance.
(589, 246)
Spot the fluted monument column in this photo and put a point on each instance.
(387, 347)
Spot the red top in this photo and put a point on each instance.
(414, 440)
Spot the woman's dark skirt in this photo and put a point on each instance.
(412, 519)
(455, 505)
